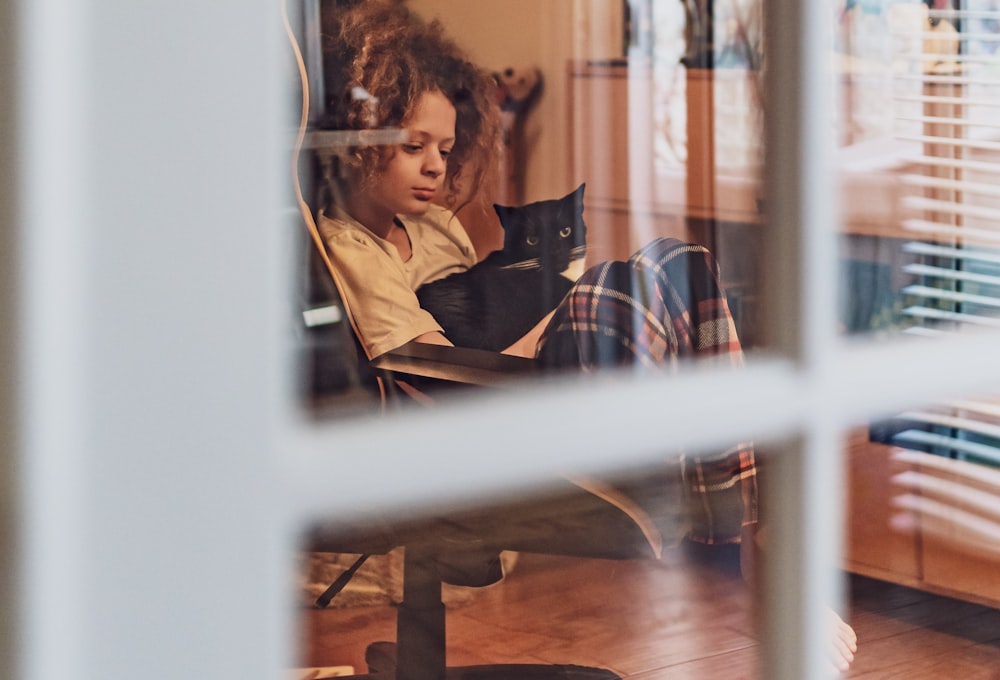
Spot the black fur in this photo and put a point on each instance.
(500, 299)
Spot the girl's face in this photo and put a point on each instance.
(415, 172)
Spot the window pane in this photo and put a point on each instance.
(923, 528)
(919, 257)
(667, 148)
(567, 574)
(918, 159)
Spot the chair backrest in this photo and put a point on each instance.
(334, 371)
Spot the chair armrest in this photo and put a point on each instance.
(455, 364)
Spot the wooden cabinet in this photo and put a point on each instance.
(873, 549)
(917, 559)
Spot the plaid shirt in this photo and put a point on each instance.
(663, 305)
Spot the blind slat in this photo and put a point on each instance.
(933, 293)
(943, 120)
(951, 274)
(978, 188)
(944, 79)
(941, 99)
(937, 250)
(986, 408)
(952, 207)
(956, 422)
(954, 13)
(924, 332)
(930, 35)
(919, 312)
(979, 145)
(953, 58)
(922, 438)
(957, 163)
(957, 494)
(951, 231)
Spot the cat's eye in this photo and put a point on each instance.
(565, 231)
(531, 240)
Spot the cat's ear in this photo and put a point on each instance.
(578, 197)
(502, 211)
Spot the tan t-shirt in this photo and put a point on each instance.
(379, 287)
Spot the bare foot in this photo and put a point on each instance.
(845, 644)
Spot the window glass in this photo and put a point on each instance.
(918, 159)
(626, 572)
(658, 109)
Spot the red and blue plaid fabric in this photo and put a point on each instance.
(662, 306)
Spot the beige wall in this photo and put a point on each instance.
(541, 33)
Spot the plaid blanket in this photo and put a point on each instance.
(664, 305)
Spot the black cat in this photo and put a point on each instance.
(494, 303)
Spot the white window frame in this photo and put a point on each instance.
(160, 465)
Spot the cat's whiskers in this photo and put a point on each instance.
(576, 254)
(532, 263)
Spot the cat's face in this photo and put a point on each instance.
(551, 232)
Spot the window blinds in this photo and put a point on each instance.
(947, 106)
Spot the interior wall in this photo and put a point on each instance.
(547, 35)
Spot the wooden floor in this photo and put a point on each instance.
(668, 619)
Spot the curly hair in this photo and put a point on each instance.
(378, 61)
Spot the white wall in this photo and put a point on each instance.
(542, 34)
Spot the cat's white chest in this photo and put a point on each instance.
(575, 270)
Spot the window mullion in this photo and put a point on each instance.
(799, 318)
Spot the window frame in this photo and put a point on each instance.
(161, 461)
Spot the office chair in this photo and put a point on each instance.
(582, 518)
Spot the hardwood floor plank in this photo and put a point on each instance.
(907, 633)
(970, 663)
(657, 651)
(741, 664)
(337, 637)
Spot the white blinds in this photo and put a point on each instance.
(947, 106)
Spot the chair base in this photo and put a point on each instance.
(381, 660)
